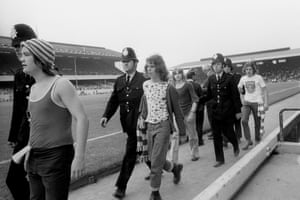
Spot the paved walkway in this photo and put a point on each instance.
(196, 176)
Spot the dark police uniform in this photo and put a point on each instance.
(19, 134)
(128, 97)
(225, 103)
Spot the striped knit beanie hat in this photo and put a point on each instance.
(42, 49)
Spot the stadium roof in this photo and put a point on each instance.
(244, 57)
(75, 49)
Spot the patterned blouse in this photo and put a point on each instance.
(156, 95)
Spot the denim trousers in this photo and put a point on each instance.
(247, 108)
(190, 127)
(49, 172)
(158, 143)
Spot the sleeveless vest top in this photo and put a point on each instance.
(50, 124)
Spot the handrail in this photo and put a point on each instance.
(280, 136)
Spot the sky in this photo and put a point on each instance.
(179, 30)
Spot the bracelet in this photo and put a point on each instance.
(193, 111)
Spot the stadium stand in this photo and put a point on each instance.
(90, 68)
(274, 65)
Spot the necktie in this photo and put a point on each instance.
(218, 77)
(127, 80)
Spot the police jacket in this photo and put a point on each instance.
(19, 128)
(128, 97)
(224, 96)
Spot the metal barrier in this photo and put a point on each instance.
(281, 135)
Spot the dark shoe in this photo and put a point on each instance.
(119, 193)
(155, 196)
(218, 164)
(200, 142)
(239, 140)
(236, 152)
(257, 140)
(247, 145)
(225, 144)
(195, 159)
(147, 178)
(177, 173)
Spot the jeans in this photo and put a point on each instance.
(49, 172)
(246, 110)
(158, 143)
(193, 136)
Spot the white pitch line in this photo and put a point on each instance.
(103, 136)
(4, 162)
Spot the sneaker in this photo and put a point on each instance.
(250, 143)
(177, 173)
(119, 193)
(155, 195)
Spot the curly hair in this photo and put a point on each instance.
(159, 64)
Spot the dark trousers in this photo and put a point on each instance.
(209, 113)
(128, 162)
(49, 172)
(238, 128)
(199, 124)
(225, 127)
(16, 179)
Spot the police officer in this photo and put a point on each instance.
(127, 93)
(224, 97)
(19, 129)
(228, 68)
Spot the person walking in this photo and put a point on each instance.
(207, 69)
(255, 101)
(127, 93)
(191, 77)
(53, 102)
(160, 106)
(228, 68)
(225, 108)
(19, 129)
(188, 101)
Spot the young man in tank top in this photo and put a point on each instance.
(53, 102)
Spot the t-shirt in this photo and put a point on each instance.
(156, 95)
(253, 88)
(187, 97)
